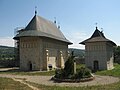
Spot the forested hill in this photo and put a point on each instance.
(78, 52)
(5, 47)
(6, 51)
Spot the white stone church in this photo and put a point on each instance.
(99, 52)
(41, 45)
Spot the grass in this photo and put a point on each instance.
(115, 86)
(33, 73)
(9, 84)
(78, 66)
(114, 72)
(6, 84)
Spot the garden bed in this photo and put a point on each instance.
(73, 80)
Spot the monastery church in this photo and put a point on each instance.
(42, 46)
(99, 52)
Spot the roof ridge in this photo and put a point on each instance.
(39, 24)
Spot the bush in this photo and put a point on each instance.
(84, 72)
(68, 71)
(59, 73)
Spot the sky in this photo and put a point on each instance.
(76, 18)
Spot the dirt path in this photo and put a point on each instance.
(45, 80)
(23, 82)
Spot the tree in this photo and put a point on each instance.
(117, 54)
(68, 71)
(69, 66)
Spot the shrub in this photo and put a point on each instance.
(59, 73)
(82, 73)
(69, 67)
(68, 71)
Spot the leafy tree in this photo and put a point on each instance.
(117, 54)
(77, 52)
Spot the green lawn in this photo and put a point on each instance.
(78, 66)
(114, 72)
(6, 84)
(9, 84)
(45, 73)
(115, 86)
(18, 72)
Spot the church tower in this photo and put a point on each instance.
(99, 52)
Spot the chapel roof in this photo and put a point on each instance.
(39, 26)
(98, 36)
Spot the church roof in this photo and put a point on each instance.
(97, 36)
(39, 26)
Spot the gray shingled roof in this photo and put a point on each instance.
(97, 37)
(39, 26)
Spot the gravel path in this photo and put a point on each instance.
(45, 80)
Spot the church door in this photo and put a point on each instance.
(30, 66)
(96, 65)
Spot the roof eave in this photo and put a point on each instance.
(69, 43)
(83, 43)
(112, 43)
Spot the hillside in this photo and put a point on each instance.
(78, 52)
(6, 52)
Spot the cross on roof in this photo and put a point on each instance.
(35, 10)
(96, 24)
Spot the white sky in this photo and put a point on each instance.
(7, 41)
